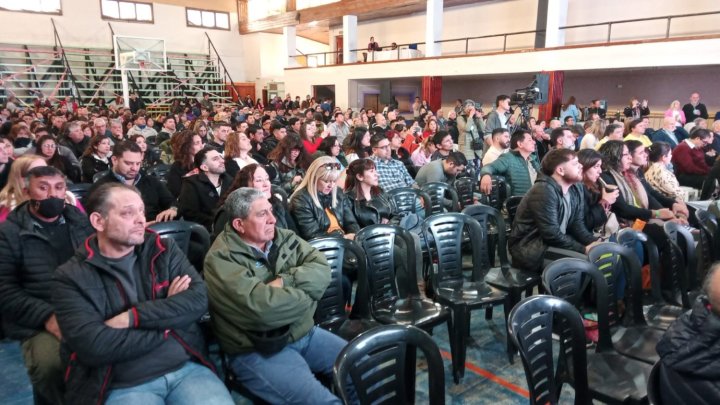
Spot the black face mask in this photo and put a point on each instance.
(22, 142)
(49, 207)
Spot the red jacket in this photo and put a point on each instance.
(689, 160)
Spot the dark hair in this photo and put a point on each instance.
(56, 160)
(327, 144)
(375, 140)
(275, 125)
(100, 199)
(293, 120)
(569, 117)
(125, 146)
(303, 129)
(243, 178)
(517, 137)
(285, 147)
(658, 150)
(44, 171)
(555, 158)
(358, 167)
(556, 134)
(632, 145)
(588, 158)
(92, 145)
(354, 142)
(200, 157)
(181, 144)
(634, 123)
(439, 136)
(699, 133)
(498, 131)
(500, 98)
(612, 152)
(252, 130)
(610, 129)
(457, 158)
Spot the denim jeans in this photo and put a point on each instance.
(287, 376)
(191, 384)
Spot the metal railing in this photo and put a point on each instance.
(221, 64)
(329, 58)
(58, 42)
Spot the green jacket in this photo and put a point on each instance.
(514, 168)
(240, 300)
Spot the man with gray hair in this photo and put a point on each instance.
(263, 286)
(690, 349)
(116, 132)
(101, 127)
(75, 139)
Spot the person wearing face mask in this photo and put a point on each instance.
(38, 236)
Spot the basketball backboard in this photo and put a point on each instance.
(137, 53)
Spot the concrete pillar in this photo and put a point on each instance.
(556, 18)
(125, 88)
(349, 38)
(433, 27)
(289, 47)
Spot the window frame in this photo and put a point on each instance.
(201, 10)
(127, 20)
(35, 12)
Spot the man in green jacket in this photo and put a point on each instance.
(519, 166)
(263, 285)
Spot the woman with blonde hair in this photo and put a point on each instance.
(318, 207)
(12, 194)
(676, 112)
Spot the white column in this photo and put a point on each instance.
(125, 88)
(349, 38)
(433, 27)
(556, 18)
(290, 47)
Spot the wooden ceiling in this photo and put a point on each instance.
(314, 23)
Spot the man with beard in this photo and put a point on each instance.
(549, 220)
(519, 166)
(500, 144)
(200, 192)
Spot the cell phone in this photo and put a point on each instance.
(608, 187)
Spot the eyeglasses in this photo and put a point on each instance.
(383, 147)
(49, 146)
(331, 166)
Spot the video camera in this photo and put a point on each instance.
(526, 96)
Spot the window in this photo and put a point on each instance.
(32, 6)
(207, 19)
(126, 11)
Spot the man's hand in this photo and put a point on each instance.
(680, 208)
(52, 327)
(278, 282)
(167, 215)
(119, 321)
(486, 184)
(349, 236)
(592, 245)
(179, 284)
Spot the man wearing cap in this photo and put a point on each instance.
(471, 131)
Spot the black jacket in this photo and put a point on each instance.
(92, 165)
(27, 262)
(595, 216)
(630, 212)
(285, 175)
(268, 144)
(77, 148)
(313, 222)
(155, 195)
(537, 224)
(689, 353)
(85, 294)
(373, 211)
(199, 198)
(175, 177)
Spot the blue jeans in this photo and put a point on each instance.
(191, 384)
(287, 376)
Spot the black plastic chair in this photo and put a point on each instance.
(634, 338)
(330, 312)
(444, 233)
(653, 385)
(182, 232)
(511, 206)
(657, 313)
(79, 190)
(97, 176)
(160, 172)
(706, 256)
(406, 199)
(709, 224)
(395, 297)
(530, 327)
(683, 265)
(381, 366)
(612, 377)
(465, 187)
(498, 193)
(439, 193)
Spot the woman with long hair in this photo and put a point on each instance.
(87, 130)
(47, 148)
(151, 155)
(423, 154)
(254, 175)
(370, 204)
(431, 128)
(358, 144)
(318, 207)
(330, 146)
(95, 159)
(676, 112)
(598, 197)
(185, 145)
(310, 137)
(290, 160)
(658, 175)
(237, 153)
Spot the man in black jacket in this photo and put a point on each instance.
(128, 304)
(551, 215)
(37, 237)
(689, 350)
(75, 140)
(127, 158)
(201, 192)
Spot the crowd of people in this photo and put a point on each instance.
(107, 310)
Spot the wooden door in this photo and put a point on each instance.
(243, 89)
(339, 48)
(371, 102)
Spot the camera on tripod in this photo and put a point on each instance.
(526, 96)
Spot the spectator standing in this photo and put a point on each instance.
(695, 109)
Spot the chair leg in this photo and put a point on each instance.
(467, 323)
(488, 313)
(512, 299)
(410, 371)
(457, 331)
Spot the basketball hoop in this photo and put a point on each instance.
(141, 64)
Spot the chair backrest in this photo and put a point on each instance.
(331, 306)
(465, 187)
(569, 278)
(611, 259)
(511, 206)
(79, 190)
(682, 261)
(160, 172)
(707, 235)
(444, 233)
(653, 385)
(492, 221)
(439, 193)
(380, 365)
(182, 232)
(498, 193)
(406, 198)
(97, 176)
(531, 325)
(378, 242)
(629, 238)
(709, 223)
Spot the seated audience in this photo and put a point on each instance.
(185, 145)
(598, 197)
(519, 166)
(613, 132)
(310, 136)
(200, 193)
(95, 159)
(689, 159)
(443, 145)
(658, 175)
(500, 143)
(39, 235)
(237, 153)
(75, 139)
(370, 204)
(393, 173)
(220, 132)
(138, 341)
(330, 146)
(151, 155)
(562, 138)
(669, 133)
(141, 127)
(318, 207)
(423, 154)
(593, 133)
(445, 170)
(6, 161)
(711, 186)
(47, 148)
(263, 305)
(551, 214)
(290, 160)
(358, 144)
(270, 143)
(637, 132)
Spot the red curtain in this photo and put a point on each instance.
(432, 91)
(556, 83)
